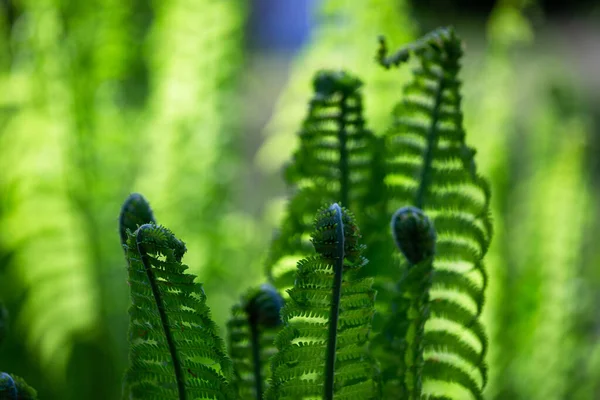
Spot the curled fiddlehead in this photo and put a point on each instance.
(252, 329)
(327, 319)
(14, 388)
(135, 212)
(400, 345)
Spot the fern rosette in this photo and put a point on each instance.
(327, 320)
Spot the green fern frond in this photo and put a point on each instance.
(333, 164)
(175, 352)
(342, 39)
(327, 319)
(252, 330)
(429, 166)
(15, 388)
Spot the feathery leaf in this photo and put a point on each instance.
(327, 320)
(429, 166)
(175, 352)
(333, 164)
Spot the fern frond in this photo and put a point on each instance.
(343, 39)
(429, 166)
(15, 388)
(333, 164)
(252, 330)
(175, 352)
(327, 319)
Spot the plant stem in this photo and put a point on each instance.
(432, 137)
(255, 342)
(335, 305)
(161, 311)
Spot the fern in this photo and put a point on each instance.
(429, 166)
(175, 352)
(342, 37)
(327, 319)
(402, 339)
(332, 164)
(252, 330)
(15, 388)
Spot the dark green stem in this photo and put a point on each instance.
(343, 138)
(335, 304)
(161, 311)
(255, 342)
(432, 137)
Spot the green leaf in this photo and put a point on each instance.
(175, 352)
(332, 164)
(327, 320)
(429, 166)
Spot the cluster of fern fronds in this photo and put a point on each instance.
(316, 330)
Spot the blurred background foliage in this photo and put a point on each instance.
(196, 103)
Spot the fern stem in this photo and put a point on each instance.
(343, 138)
(164, 319)
(335, 304)
(431, 144)
(255, 342)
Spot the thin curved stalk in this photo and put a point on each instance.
(335, 305)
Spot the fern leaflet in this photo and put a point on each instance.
(333, 164)
(327, 320)
(175, 352)
(429, 166)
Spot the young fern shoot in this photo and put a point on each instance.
(327, 319)
(175, 352)
(252, 330)
(429, 166)
(402, 339)
(135, 212)
(331, 165)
